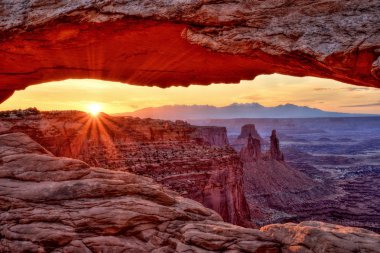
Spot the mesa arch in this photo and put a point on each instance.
(181, 42)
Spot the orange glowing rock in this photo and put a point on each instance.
(166, 43)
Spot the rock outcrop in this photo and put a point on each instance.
(273, 189)
(241, 141)
(332, 238)
(274, 151)
(211, 135)
(194, 161)
(252, 152)
(55, 204)
(249, 130)
(63, 205)
(191, 42)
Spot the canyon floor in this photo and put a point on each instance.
(341, 153)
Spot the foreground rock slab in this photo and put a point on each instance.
(167, 43)
(302, 237)
(51, 204)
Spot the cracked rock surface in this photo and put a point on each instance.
(183, 42)
(302, 237)
(51, 204)
(54, 204)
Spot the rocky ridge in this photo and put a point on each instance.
(51, 204)
(194, 161)
(55, 204)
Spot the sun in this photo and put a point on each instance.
(94, 109)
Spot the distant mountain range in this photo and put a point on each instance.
(251, 110)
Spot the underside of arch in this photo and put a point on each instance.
(157, 43)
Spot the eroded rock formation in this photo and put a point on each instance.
(193, 42)
(63, 205)
(273, 189)
(252, 152)
(55, 204)
(249, 130)
(274, 151)
(213, 136)
(194, 161)
(241, 141)
(332, 238)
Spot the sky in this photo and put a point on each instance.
(268, 90)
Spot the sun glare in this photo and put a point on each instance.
(94, 109)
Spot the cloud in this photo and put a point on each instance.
(363, 105)
(344, 88)
(250, 97)
(355, 88)
(321, 89)
(305, 100)
(134, 106)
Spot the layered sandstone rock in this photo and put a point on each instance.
(55, 204)
(194, 161)
(275, 190)
(249, 130)
(274, 151)
(211, 135)
(63, 205)
(241, 141)
(191, 42)
(332, 238)
(252, 152)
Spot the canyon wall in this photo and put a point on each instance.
(183, 43)
(274, 190)
(339, 168)
(194, 161)
(213, 136)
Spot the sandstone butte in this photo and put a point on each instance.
(180, 42)
(56, 204)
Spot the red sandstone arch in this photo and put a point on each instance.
(166, 43)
